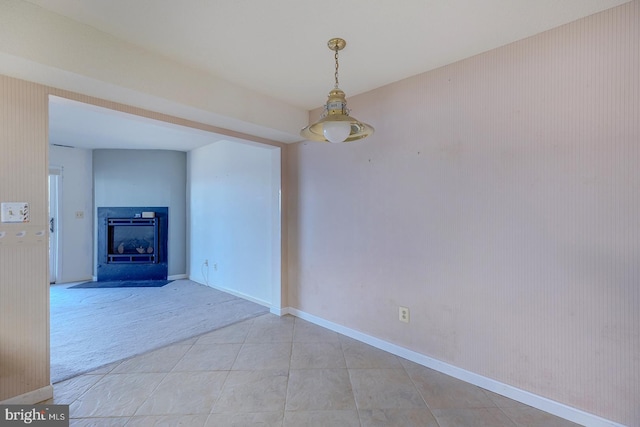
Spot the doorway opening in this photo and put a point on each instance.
(84, 138)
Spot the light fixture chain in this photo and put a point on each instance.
(336, 74)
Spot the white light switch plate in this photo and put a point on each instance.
(14, 212)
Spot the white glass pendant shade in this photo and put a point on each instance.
(336, 131)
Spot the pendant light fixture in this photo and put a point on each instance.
(336, 125)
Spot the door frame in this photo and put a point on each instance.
(55, 189)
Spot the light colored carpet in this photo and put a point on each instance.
(91, 328)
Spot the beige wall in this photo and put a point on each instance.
(24, 279)
(498, 200)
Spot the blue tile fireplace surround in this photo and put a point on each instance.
(132, 243)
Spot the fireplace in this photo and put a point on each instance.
(132, 240)
(132, 243)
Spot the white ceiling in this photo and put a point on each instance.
(278, 47)
(80, 125)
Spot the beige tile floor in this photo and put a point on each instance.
(283, 371)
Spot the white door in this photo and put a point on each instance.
(54, 178)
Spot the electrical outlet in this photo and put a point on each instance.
(206, 263)
(403, 314)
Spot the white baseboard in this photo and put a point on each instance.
(280, 311)
(534, 400)
(234, 293)
(32, 397)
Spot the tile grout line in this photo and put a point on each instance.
(224, 383)
(353, 393)
(420, 393)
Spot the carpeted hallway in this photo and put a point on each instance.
(91, 328)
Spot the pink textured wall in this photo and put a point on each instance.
(24, 279)
(498, 200)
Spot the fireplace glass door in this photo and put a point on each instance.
(132, 240)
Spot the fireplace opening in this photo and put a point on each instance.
(132, 240)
